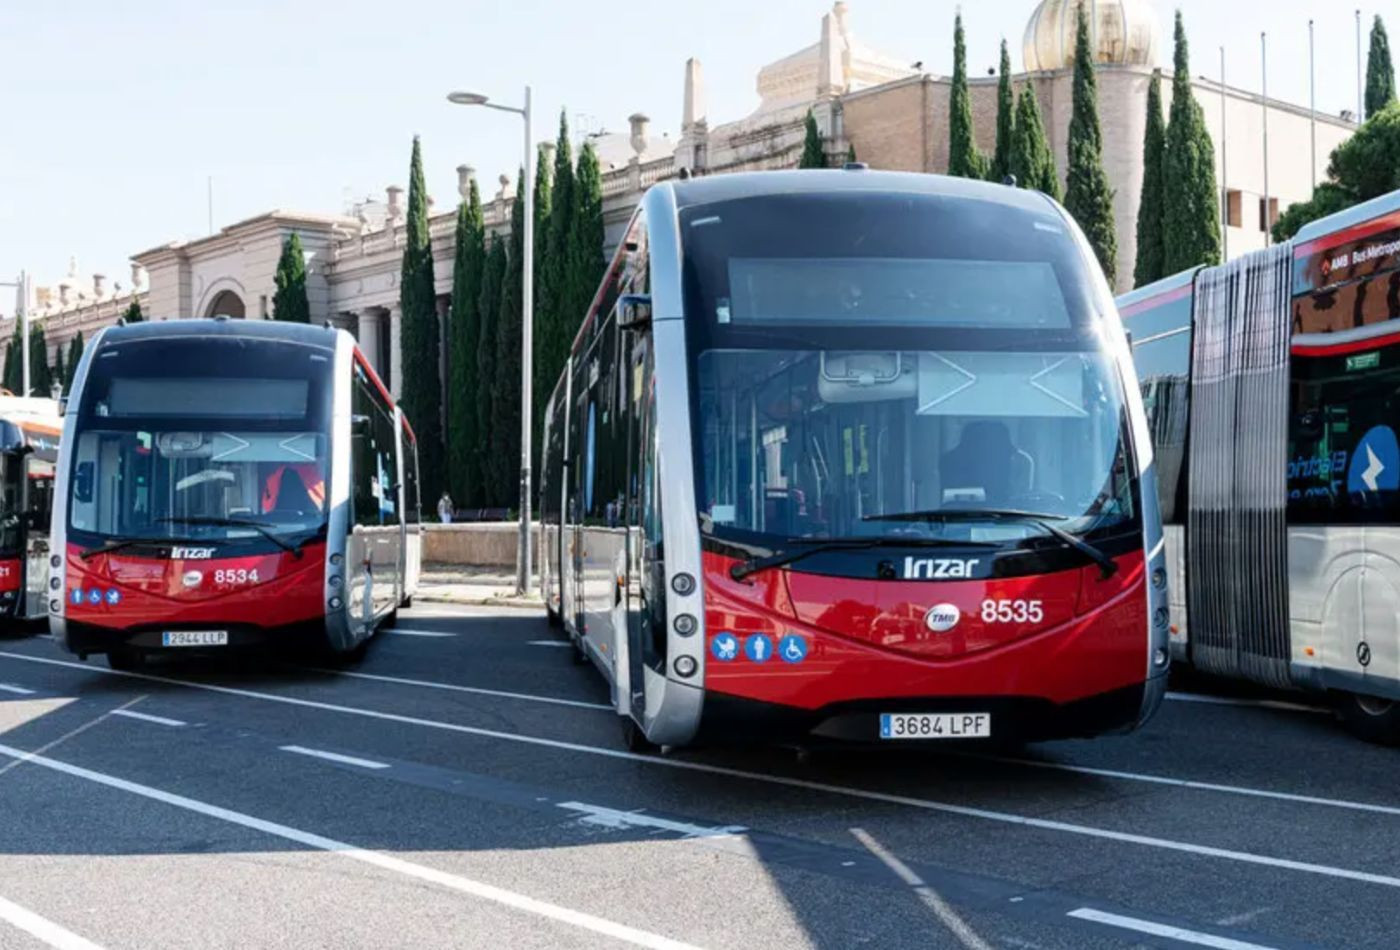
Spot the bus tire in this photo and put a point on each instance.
(555, 619)
(635, 739)
(1371, 717)
(126, 659)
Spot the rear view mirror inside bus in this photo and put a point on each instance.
(82, 481)
(634, 311)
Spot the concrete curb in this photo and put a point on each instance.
(470, 601)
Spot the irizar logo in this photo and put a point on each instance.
(942, 617)
(191, 554)
(938, 568)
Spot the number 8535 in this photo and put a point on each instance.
(1012, 611)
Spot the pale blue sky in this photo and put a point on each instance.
(114, 114)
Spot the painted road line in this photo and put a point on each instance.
(1191, 783)
(948, 917)
(846, 791)
(1154, 929)
(377, 859)
(45, 931)
(419, 633)
(147, 717)
(618, 819)
(16, 690)
(334, 757)
(549, 643)
(1238, 701)
(479, 690)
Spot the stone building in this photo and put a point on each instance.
(892, 112)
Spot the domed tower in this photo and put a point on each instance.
(1121, 32)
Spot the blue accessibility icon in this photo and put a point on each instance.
(77, 595)
(1375, 464)
(114, 596)
(792, 648)
(725, 646)
(94, 596)
(758, 647)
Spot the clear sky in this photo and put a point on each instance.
(115, 114)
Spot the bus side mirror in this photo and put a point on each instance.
(82, 481)
(634, 311)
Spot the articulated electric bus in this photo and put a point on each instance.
(226, 483)
(1272, 391)
(29, 432)
(855, 455)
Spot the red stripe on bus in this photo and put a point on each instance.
(1350, 346)
(1156, 300)
(374, 377)
(1356, 232)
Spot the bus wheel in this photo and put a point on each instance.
(1371, 717)
(634, 738)
(126, 659)
(552, 615)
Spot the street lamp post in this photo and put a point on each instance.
(523, 570)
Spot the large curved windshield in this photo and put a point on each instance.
(221, 439)
(899, 367)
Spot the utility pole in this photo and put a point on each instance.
(1264, 103)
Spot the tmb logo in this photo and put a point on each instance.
(191, 554)
(938, 568)
(942, 617)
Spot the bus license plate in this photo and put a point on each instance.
(935, 725)
(194, 638)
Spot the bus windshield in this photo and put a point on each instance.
(220, 439)
(866, 371)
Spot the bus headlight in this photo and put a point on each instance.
(55, 583)
(1160, 616)
(1159, 578)
(685, 624)
(334, 580)
(55, 606)
(55, 561)
(336, 603)
(337, 560)
(1159, 657)
(683, 584)
(686, 666)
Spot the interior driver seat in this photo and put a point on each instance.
(986, 458)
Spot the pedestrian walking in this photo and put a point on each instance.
(445, 508)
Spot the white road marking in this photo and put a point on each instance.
(931, 898)
(615, 818)
(398, 632)
(549, 643)
(334, 757)
(147, 717)
(46, 931)
(1154, 929)
(947, 808)
(1237, 701)
(17, 690)
(378, 859)
(1190, 783)
(480, 690)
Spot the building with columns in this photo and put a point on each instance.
(892, 112)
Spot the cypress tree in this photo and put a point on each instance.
(11, 381)
(464, 328)
(1087, 195)
(1006, 120)
(506, 405)
(289, 303)
(75, 356)
(556, 323)
(40, 378)
(1150, 250)
(1380, 73)
(851, 154)
(1191, 212)
(586, 263)
(59, 373)
(964, 161)
(421, 386)
(1032, 162)
(551, 323)
(813, 152)
(487, 426)
(133, 314)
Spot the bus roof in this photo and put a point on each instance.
(1156, 293)
(1350, 224)
(303, 333)
(710, 189)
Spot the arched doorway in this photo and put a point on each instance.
(227, 304)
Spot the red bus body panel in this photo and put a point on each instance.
(866, 639)
(11, 573)
(166, 591)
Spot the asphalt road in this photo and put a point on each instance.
(465, 785)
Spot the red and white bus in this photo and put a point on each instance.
(855, 455)
(230, 483)
(1272, 390)
(29, 433)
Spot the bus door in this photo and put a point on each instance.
(646, 587)
(38, 509)
(574, 514)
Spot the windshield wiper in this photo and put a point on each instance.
(779, 558)
(1107, 566)
(258, 526)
